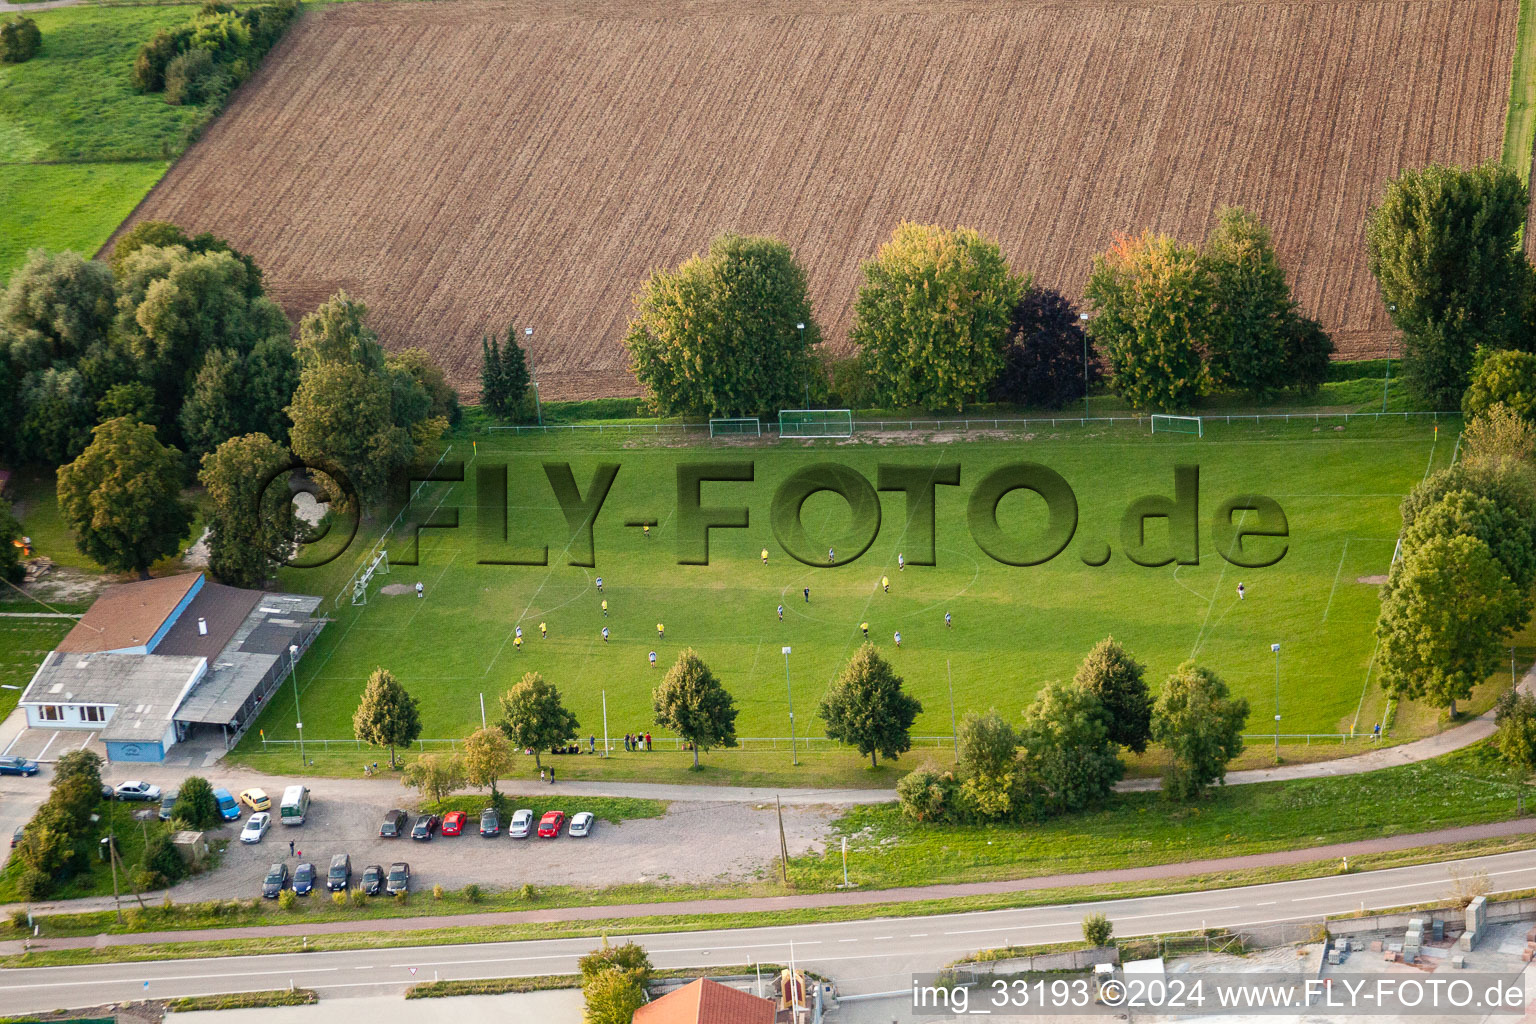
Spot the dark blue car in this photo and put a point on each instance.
(17, 766)
(303, 878)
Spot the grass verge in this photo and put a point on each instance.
(1520, 118)
(245, 1000)
(491, 986)
(705, 922)
(612, 809)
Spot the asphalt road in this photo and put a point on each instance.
(864, 956)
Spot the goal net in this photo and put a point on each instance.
(735, 426)
(1178, 424)
(815, 422)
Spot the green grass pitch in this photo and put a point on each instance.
(1014, 627)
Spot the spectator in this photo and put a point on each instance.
(647, 741)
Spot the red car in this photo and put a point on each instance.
(453, 823)
(551, 824)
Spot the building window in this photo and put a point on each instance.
(93, 714)
(51, 713)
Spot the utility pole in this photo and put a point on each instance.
(1083, 320)
(112, 855)
(783, 846)
(605, 723)
(482, 710)
(293, 670)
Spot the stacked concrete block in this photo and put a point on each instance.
(1413, 942)
(1477, 917)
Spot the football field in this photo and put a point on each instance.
(1014, 628)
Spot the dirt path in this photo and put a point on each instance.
(860, 897)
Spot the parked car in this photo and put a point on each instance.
(373, 880)
(228, 809)
(581, 824)
(551, 824)
(275, 882)
(521, 825)
(453, 823)
(17, 766)
(394, 825)
(340, 875)
(399, 878)
(303, 878)
(137, 790)
(168, 805)
(256, 827)
(490, 823)
(256, 799)
(18, 835)
(425, 825)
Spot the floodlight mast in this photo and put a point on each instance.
(794, 758)
(1276, 649)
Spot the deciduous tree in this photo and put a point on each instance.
(993, 787)
(1156, 311)
(691, 702)
(1515, 738)
(122, 498)
(487, 757)
(1119, 682)
(721, 335)
(1446, 610)
(435, 776)
(1043, 353)
(195, 803)
(1201, 724)
(386, 716)
(1505, 377)
(1499, 436)
(867, 708)
(1068, 754)
(534, 717)
(58, 304)
(56, 417)
(1444, 245)
(252, 529)
(10, 555)
(933, 315)
(1248, 349)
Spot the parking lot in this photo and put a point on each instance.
(692, 842)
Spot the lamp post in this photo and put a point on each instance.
(1082, 319)
(794, 757)
(1276, 649)
(538, 406)
(293, 671)
(1391, 308)
(801, 328)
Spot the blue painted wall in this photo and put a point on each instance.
(118, 750)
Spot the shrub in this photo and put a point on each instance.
(929, 793)
(359, 898)
(629, 956)
(1097, 931)
(339, 899)
(472, 893)
(149, 66)
(19, 918)
(20, 39)
(437, 892)
(287, 899)
(161, 858)
(402, 898)
(527, 893)
(34, 884)
(195, 803)
(192, 78)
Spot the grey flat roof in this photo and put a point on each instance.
(262, 638)
(101, 677)
(226, 687)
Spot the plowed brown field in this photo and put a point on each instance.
(461, 164)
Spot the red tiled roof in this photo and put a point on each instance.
(128, 614)
(706, 1002)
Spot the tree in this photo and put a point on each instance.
(122, 498)
(1515, 738)
(1508, 536)
(387, 716)
(627, 956)
(1308, 353)
(1507, 378)
(1498, 436)
(487, 757)
(1201, 724)
(1157, 310)
(234, 394)
(504, 376)
(76, 788)
(435, 775)
(612, 997)
(11, 568)
(58, 304)
(20, 39)
(133, 399)
(196, 804)
(1444, 245)
(691, 702)
(252, 528)
(420, 367)
(160, 233)
(1254, 300)
(1068, 755)
(1043, 353)
(1097, 931)
(533, 716)
(867, 708)
(56, 417)
(728, 333)
(1508, 486)
(1118, 681)
(1446, 609)
(993, 788)
(933, 315)
(50, 845)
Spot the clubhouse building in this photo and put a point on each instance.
(158, 662)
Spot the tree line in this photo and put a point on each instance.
(170, 363)
(204, 60)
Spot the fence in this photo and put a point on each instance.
(967, 424)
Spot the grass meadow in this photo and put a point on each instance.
(1014, 628)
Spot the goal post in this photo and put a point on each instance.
(815, 422)
(1170, 424)
(735, 426)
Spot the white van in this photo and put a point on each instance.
(295, 805)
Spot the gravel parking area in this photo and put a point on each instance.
(692, 842)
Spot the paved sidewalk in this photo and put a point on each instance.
(857, 897)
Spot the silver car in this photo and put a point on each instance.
(522, 824)
(581, 824)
